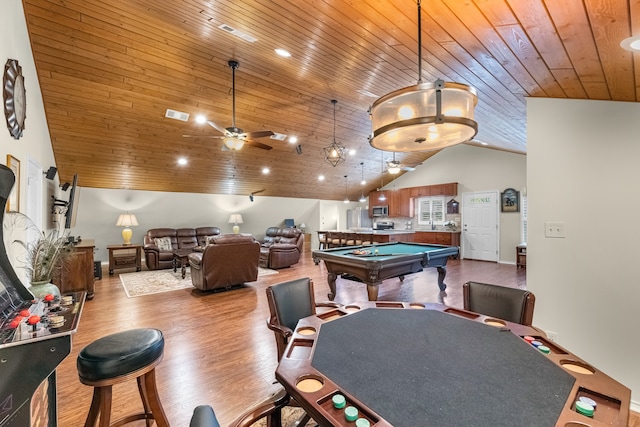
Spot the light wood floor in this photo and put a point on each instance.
(218, 350)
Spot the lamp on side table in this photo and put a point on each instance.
(235, 219)
(127, 220)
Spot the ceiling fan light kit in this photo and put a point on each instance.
(424, 117)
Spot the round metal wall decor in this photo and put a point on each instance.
(15, 100)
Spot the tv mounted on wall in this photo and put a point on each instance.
(72, 205)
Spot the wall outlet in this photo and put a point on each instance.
(554, 229)
(553, 336)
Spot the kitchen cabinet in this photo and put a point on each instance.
(77, 275)
(400, 203)
(450, 189)
(449, 238)
(393, 237)
(373, 200)
(424, 191)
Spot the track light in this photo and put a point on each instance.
(299, 149)
(251, 197)
(65, 186)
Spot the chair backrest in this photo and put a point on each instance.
(289, 302)
(511, 304)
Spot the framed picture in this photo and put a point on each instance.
(13, 202)
(510, 200)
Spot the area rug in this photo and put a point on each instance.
(290, 416)
(157, 281)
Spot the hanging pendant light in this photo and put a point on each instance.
(381, 197)
(362, 182)
(424, 117)
(334, 153)
(346, 190)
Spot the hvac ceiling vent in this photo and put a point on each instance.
(238, 33)
(278, 136)
(177, 115)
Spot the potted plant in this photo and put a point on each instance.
(42, 257)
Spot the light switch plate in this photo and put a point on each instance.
(555, 229)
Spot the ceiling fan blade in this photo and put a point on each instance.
(203, 136)
(257, 134)
(257, 144)
(218, 128)
(257, 192)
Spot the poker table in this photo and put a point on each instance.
(372, 264)
(425, 364)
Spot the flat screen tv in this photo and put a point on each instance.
(288, 223)
(72, 206)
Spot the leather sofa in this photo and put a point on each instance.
(230, 259)
(281, 247)
(157, 258)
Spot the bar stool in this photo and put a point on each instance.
(117, 358)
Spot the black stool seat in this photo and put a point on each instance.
(117, 358)
(119, 354)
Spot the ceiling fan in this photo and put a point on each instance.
(394, 166)
(254, 193)
(234, 138)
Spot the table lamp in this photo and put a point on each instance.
(127, 220)
(302, 227)
(235, 219)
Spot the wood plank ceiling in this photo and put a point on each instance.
(109, 70)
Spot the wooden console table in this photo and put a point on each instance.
(78, 273)
(125, 256)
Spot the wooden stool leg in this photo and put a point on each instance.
(94, 410)
(100, 406)
(145, 400)
(151, 393)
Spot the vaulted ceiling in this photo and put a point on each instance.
(109, 70)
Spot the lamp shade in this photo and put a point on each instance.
(424, 117)
(127, 220)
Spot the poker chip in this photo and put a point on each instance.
(544, 349)
(588, 401)
(351, 413)
(536, 343)
(528, 338)
(584, 408)
(362, 422)
(339, 401)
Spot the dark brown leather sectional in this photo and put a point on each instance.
(281, 247)
(231, 259)
(181, 238)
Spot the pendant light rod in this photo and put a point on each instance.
(419, 43)
(234, 66)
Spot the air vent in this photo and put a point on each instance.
(278, 136)
(238, 33)
(177, 115)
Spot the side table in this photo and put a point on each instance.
(122, 256)
(521, 255)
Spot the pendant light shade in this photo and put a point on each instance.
(424, 117)
(334, 153)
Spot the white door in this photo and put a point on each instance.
(480, 225)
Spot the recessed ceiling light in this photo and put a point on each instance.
(631, 44)
(283, 53)
(293, 139)
(201, 119)
(265, 171)
(352, 152)
(321, 178)
(182, 161)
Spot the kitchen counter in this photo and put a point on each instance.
(382, 236)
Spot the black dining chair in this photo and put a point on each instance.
(510, 304)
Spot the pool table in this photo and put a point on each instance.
(372, 264)
(425, 364)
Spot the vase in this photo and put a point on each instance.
(43, 288)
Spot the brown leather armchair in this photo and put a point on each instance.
(181, 238)
(281, 247)
(232, 259)
(511, 304)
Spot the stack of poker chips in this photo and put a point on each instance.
(585, 406)
(350, 412)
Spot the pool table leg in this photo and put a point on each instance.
(442, 271)
(331, 279)
(372, 291)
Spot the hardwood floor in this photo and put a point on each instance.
(218, 349)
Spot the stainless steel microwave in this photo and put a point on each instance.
(380, 211)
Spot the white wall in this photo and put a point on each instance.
(476, 169)
(35, 142)
(583, 171)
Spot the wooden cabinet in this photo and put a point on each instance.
(78, 273)
(437, 237)
(400, 203)
(373, 200)
(423, 191)
(450, 189)
(393, 237)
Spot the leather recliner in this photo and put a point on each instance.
(181, 238)
(232, 259)
(281, 247)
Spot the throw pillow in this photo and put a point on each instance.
(163, 243)
(209, 240)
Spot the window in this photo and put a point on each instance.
(431, 210)
(523, 218)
